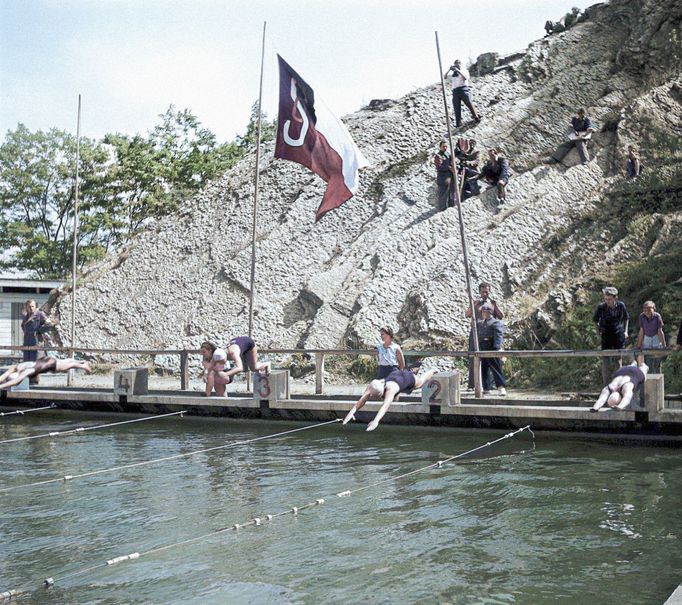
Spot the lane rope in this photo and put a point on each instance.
(22, 412)
(91, 428)
(66, 478)
(257, 521)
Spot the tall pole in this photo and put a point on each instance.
(74, 256)
(255, 194)
(478, 392)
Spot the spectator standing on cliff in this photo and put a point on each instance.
(490, 337)
(483, 297)
(497, 172)
(443, 163)
(651, 334)
(633, 166)
(461, 92)
(612, 319)
(468, 159)
(389, 353)
(581, 133)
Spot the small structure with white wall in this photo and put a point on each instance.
(14, 292)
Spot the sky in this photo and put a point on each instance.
(131, 59)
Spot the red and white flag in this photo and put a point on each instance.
(308, 133)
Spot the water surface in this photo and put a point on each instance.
(561, 520)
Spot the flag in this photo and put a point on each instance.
(308, 133)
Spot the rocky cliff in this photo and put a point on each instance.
(388, 256)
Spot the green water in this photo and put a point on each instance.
(560, 520)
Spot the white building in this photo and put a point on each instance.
(13, 294)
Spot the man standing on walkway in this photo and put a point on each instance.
(483, 297)
(490, 335)
(612, 321)
(461, 92)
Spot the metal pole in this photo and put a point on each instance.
(255, 194)
(74, 256)
(478, 392)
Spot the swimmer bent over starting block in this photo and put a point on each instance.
(17, 372)
(618, 393)
(398, 381)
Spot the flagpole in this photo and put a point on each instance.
(74, 256)
(252, 292)
(478, 392)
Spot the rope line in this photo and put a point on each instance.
(257, 521)
(22, 412)
(65, 478)
(91, 428)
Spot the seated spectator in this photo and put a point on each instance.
(618, 393)
(389, 353)
(468, 158)
(633, 167)
(581, 133)
(549, 28)
(443, 163)
(497, 172)
(651, 334)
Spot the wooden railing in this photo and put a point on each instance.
(319, 355)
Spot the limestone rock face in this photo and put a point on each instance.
(388, 256)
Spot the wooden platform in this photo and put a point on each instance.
(495, 412)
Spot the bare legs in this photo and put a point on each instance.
(254, 364)
(391, 391)
(64, 365)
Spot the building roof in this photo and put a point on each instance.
(21, 282)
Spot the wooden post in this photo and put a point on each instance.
(184, 370)
(319, 373)
(478, 390)
(74, 254)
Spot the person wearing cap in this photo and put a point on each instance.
(651, 334)
(216, 378)
(490, 338)
(461, 92)
(398, 381)
(617, 394)
(483, 297)
(243, 353)
(612, 319)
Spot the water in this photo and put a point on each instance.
(571, 521)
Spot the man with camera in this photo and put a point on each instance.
(461, 92)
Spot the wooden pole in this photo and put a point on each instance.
(478, 391)
(252, 291)
(74, 255)
(255, 193)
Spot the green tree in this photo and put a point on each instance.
(37, 194)
(268, 131)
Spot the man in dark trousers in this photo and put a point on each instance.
(490, 335)
(461, 92)
(483, 297)
(443, 162)
(612, 321)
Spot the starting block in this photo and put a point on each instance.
(442, 389)
(131, 381)
(271, 387)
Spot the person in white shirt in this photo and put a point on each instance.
(461, 92)
(389, 353)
